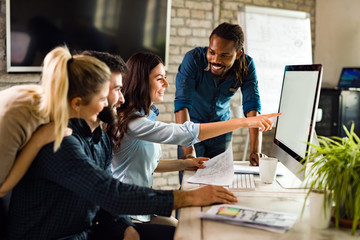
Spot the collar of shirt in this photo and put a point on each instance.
(155, 110)
(153, 113)
(84, 129)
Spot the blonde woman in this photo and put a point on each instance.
(27, 107)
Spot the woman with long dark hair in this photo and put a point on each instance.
(137, 135)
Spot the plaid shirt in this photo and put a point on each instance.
(61, 193)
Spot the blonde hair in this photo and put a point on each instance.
(64, 77)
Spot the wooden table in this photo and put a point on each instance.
(271, 197)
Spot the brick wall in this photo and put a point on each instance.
(191, 24)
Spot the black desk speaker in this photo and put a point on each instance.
(329, 102)
(349, 111)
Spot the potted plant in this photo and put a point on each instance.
(335, 169)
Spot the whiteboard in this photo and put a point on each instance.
(275, 38)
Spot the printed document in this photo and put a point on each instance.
(219, 170)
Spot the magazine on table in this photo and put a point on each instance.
(244, 216)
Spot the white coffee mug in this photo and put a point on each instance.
(267, 169)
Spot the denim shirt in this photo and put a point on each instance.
(207, 99)
(140, 149)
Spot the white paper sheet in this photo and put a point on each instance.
(219, 170)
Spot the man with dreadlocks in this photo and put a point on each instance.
(207, 79)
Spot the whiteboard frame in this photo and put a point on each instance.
(274, 11)
(242, 9)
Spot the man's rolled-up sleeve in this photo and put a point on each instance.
(185, 82)
(250, 90)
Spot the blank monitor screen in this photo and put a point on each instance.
(298, 103)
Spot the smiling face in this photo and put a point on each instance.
(158, 83)
(115, 98)
(89, 112)
(221, 55)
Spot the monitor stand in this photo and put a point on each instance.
(289, 180)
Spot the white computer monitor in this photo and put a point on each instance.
(298, 103)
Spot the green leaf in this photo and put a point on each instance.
(336, 167)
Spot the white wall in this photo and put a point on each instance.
(337, 37)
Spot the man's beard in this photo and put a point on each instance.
(224, 74)
(215, 75)
(107, 115)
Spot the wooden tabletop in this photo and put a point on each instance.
(270, 197)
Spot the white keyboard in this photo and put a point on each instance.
(243, 182)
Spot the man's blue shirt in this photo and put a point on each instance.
(207, 99)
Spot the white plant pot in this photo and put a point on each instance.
(319, 214)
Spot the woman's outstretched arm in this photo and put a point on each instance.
(210, 130)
